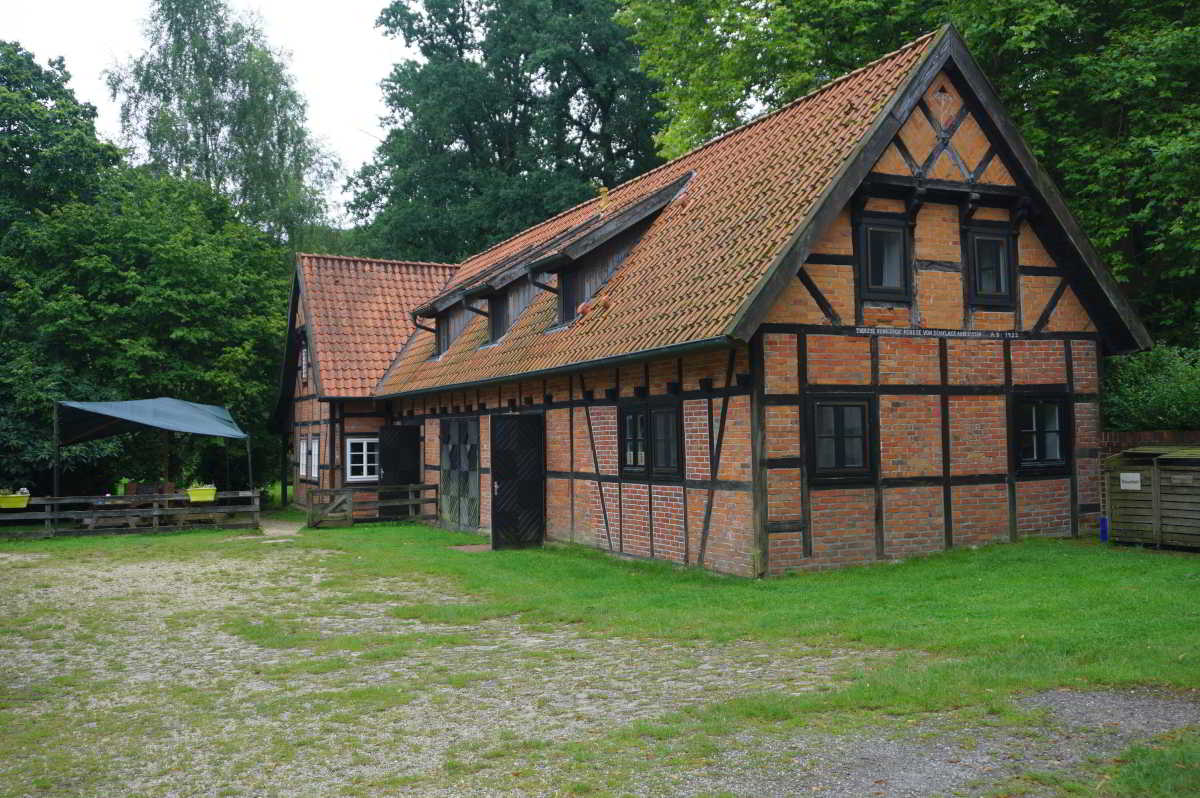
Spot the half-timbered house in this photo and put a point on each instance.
(347, 318)
(861, 327)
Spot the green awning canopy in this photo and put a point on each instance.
(87, 421)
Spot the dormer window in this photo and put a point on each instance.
(579, 284)
(449, 326)
(506, 306)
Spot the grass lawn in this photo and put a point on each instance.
(958, 635)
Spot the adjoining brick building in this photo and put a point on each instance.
(864, 326)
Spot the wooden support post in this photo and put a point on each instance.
(57, 453)
(50, 512)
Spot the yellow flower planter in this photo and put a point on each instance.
(13, 501)
(202, 494)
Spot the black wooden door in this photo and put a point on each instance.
(518, 481)
(458, 488)
(400, 463)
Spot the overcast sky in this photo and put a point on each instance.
(338, 57)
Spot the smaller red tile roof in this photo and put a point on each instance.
(358, 312)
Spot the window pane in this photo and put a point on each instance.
(641, 439)
(356, 471)
(826, 457)
(1051, 446)
(825, 421)
(666, 450)
(1027, 416)
(852, 451)
(1047, 416)
(1028, 444)
(885, 248)
(991, 261)
(852, 420)
(498, 312)
(630, 435)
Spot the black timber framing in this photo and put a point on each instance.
(758, 449)
(948, 52)
(876, 453)
(1051, 306)
(801, 409)
(1069, 362)
(807, 281)
(842, 188)
(944, 405)
(714, 457)
(1010, 452)
(596, 465)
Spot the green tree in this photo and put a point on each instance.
(210, 100)
(1106, 93)
(1152, 390)
(153, 288)
(49, 152)
(513, 111)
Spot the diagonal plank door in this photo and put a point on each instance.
(518, 481)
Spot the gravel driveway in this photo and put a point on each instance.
(245, 670)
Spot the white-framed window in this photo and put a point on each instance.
(304, 364)
(362, 459)
(310, 457)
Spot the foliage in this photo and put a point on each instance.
(49, 152)
(155, 288)
(210, 100)
(1152, 390)
(1105, 93)
(512, 112)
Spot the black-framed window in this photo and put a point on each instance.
(1041, 432)
(991, 256)
(651, 439)
(883, 246)
(841, 440)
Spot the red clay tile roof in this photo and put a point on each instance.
(700, 260)
(358, 312)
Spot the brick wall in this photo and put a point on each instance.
(843, 527)
(841, 522)
(910, 431)
(912, 521)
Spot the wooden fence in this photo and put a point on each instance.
(157, 512)
(391, 502)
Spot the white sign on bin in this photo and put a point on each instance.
(1131, 481)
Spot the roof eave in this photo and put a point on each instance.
(667, 351)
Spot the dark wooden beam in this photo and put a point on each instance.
(815, 292)
(1048, 311)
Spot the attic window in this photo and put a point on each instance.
(304, 364)
(450, 325)
(883, 255)
(991, 255)
(506, 306)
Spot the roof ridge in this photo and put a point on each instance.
(704, 145)
(378, 260)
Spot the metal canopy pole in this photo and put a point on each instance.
(57, 453)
